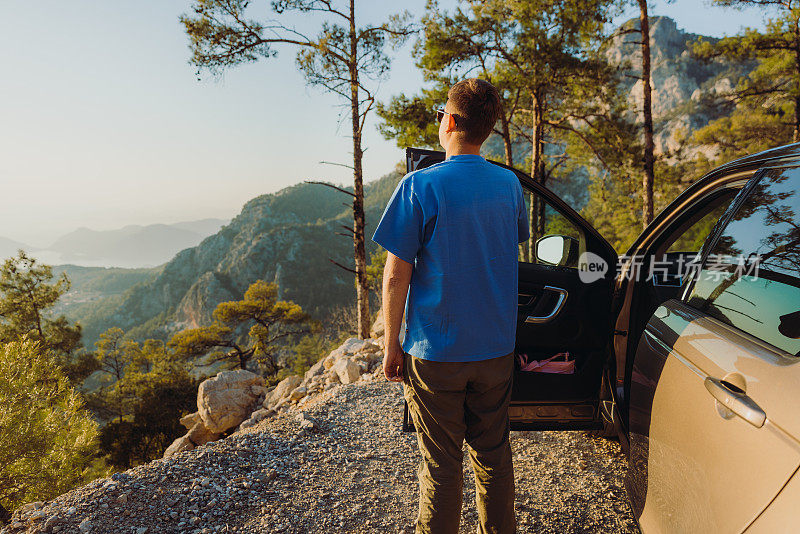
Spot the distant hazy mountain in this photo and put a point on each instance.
(286, 237)
(131, 246)
(9, 247)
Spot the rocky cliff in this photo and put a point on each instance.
(679, 80)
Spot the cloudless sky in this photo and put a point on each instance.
(104, 123)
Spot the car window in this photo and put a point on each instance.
(545, 220)
(694, 232)
(751, 277)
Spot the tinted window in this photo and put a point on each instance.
(695, 231)
(751, 279)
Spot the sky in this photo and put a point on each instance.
(104, 123)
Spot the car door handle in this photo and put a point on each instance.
(736, 401)
(562, 298)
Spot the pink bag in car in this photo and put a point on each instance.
(567, 367)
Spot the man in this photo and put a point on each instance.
(451, 232)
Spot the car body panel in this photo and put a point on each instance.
(692, 459)
(781, 514)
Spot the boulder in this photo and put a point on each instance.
(190, 420)
(316, 369)
(227, 399)
(181, 444)
(200, 435)
(351, 346)
(347, 370)
(282, 389)
(298, 393)
(377, 327)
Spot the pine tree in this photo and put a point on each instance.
(269, 321)
(765, 105)
(48, 440)
(341, 59)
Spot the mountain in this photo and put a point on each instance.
(131, 246)
(287, 237)
(9, 247)
(680, 81)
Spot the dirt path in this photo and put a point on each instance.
(354, 472)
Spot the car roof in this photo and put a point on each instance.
(781, 153)
(752, 162)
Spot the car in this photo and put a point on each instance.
(687, 347)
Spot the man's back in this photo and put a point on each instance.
(452, 232)
(459, 223)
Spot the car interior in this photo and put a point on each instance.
(558, 312)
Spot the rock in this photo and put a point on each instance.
(31, 506)
(370, 346)
(331, 378)
(377, 327)
(260, 415)
(226, 400)
(351, 346)
(181, 444)
(298, 393)
(257, 391)
(328, 362)
(142, 530)
(200, 435)
(247, 423)
(190, 420)
(316, 370)
(282, 389)
(305, 421)
(347, 370)
(85, 525)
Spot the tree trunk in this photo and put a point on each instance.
(506, 135)
(796, 129)
(649, 158)
(362, 284)
(535, 207)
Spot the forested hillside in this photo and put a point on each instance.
(287, 237)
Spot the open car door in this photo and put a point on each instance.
(566, 274)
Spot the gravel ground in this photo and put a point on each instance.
(353, 471)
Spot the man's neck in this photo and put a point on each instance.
(462, 150)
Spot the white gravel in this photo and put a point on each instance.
(352, 471)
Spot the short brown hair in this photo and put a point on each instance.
(476, 104)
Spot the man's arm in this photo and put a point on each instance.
(396, 279)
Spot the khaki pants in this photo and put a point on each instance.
(449, 403)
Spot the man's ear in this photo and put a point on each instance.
(451, 123)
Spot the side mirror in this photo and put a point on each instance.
(557, 250)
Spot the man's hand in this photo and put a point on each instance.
(393, 358)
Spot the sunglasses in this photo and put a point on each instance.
(440, 113)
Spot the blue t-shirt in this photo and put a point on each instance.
(458, 222)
